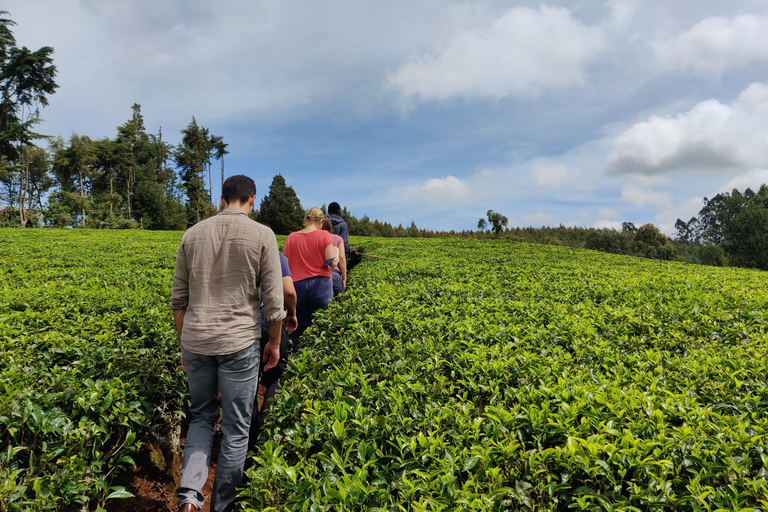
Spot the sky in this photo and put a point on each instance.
(581, 113)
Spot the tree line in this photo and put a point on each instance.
(129, 180)
(134, 179)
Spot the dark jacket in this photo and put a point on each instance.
(340, 228)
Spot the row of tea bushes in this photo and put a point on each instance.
(88, 361)
(493, 375)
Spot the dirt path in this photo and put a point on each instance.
(153, 496)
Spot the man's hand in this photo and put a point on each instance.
(271, 354)
(291, 322)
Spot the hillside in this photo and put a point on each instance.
(482, 375)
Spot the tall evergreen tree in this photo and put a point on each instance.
(281, 209)
(192, 156)
(219, 150)
(27, 78)
(135, 140)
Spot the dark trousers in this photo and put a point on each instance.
(269, 383)
(311, 294)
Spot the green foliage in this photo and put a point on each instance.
(192, 156)
(612, 241)
(711, 254)
(736, 221)
(497, 221)
(495, 375)
(27, 78)
(650, 236)
(120, 182)
(88, 361)
(281, 209)
(57, 215)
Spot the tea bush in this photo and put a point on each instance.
(493, 375)
(88, 361)
(482, 375)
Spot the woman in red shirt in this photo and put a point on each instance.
(311, 254)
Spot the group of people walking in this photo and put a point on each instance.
(234, 296)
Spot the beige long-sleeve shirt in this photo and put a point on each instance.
(221, 264)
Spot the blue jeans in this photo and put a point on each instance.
(311, 294)
(236, 376)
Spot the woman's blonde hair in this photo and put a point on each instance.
(314, 215)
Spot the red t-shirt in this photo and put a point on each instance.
(306, 254)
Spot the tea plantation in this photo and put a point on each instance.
(482, 375)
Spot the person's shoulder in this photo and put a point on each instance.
(198, 228)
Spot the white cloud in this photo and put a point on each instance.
(639, 196)
(717, 44)
(666, 218)
(445, 190)
(610, 224)
(607, 213)
(522, 53)
(752, 179)
(711, 136)
(549, 176)
(537, 219)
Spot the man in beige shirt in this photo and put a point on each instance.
(222, 264)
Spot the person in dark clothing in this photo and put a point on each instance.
(339, 224)
(339, 273)
(269, 382)
(340, 227)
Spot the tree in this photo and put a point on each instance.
(650, 236)
(281, 209)
(133, 147)
(744, 227)
(26, 79)
(193, 155)
(497, 221)
(219, 150)
(481, 224)
(687, 231)
(73, 166)
(39, 178)
(628, 227)
(736, 221)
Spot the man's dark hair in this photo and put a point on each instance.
(334, 208)
(238, 188)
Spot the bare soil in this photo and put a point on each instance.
(151, 495)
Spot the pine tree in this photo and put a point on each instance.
(281, 209)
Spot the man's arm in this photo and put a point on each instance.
(180, 295)
(178, 319)
(271, 354)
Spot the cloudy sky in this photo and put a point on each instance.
(578, 112)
